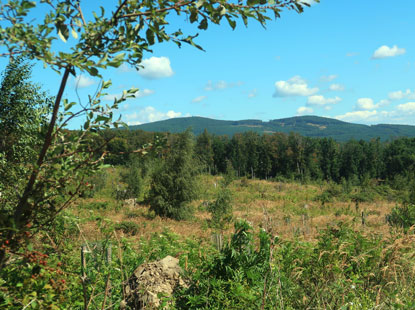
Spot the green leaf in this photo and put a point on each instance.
(101, 118)
(119, 57)
(106, 84)
(203, 24)
(199, 3)
(78, 22)
(223, 11)
(63, 31)
(117, 60)
(28, 4)
(133, 90)
(92, 71)
(150, 36)
(193, 15)
(245, 19)
(103, 59)
(74, 34)
(61, 36)
(231, 22)
(69, 105)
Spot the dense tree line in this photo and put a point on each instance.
(280, 155)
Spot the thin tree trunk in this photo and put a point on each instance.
(22, 211)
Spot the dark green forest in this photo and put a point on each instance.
(279, 155)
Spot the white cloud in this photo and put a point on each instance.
(221, 85)
(385, 51)
(295, 86)
(407, 107)
(357, 116)
(336, 87)
(141, 93)
(398, 95)
(82, 81)
(365, 104)
(156, 68)
(199, 99)
(150, 114)
(319, 100)
(402, 114)
(328, 78)
(368, 104)
(304, 110)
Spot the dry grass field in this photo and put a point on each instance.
(289, 210)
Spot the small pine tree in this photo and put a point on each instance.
(221, 209)
(230, 174)
(173, 184)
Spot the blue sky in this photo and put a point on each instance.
(352, 60)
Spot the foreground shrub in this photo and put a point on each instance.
(344, 270)
(234, 279)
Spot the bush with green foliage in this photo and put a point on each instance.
(236, 278)
(134, 179)
(128, 227)
(402, 216)
(173, 183)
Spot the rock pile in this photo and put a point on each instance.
(151, 280)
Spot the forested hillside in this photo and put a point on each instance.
(309, 126)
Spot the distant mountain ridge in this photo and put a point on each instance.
(309, 126)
